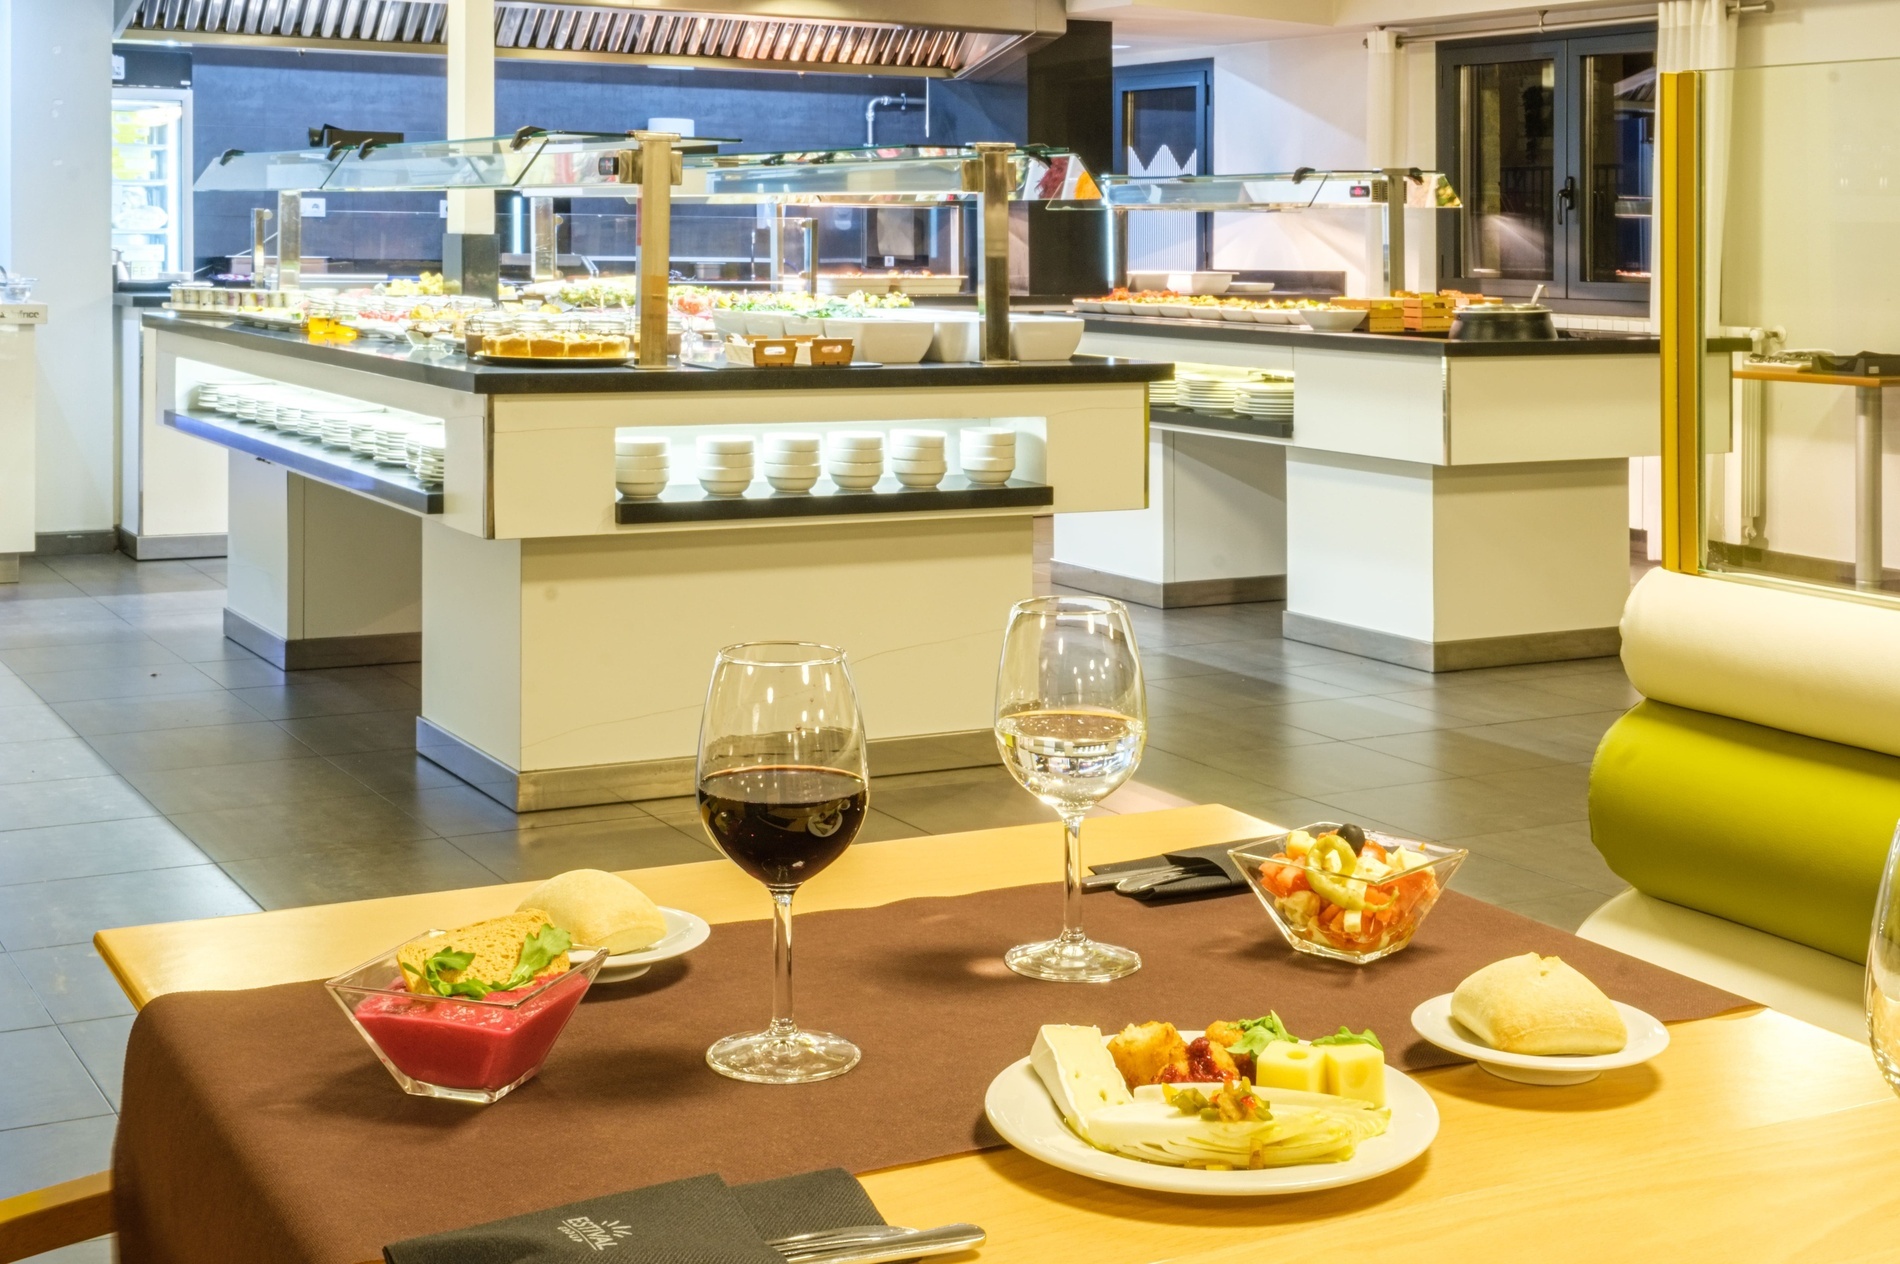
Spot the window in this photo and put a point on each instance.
(1550, 144)
(1164, 121)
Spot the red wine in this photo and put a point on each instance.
(782, 824)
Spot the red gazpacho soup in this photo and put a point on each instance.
(465, 1044)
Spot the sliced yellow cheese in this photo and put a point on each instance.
(1284, 1065)
(1356, 1071)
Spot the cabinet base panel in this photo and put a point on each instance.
(169, 548)
(9, 568)
(68, 543)
(1438, 656)
(546, 788)
(1174, 594)
(322, 651)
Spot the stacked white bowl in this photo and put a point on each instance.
(855, 459)
(725, 463)
(641, 464)
(987, 455)
(917, 457)
(793, 461)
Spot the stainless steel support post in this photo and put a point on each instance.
(1393, 207)
(988, 175)
(1867, 446)
(808, 248)
(1118, 247)
(259, 237)
(659, 170)
(289, 240)
(543, 240)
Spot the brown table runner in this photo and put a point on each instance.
(257, 1126)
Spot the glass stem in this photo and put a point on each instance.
(782, 1024)
(1072, 933)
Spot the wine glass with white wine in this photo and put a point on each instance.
(1071, 719)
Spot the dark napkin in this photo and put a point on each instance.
(1211, 872)
(700, 1220)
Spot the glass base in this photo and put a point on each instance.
(783, 1057)
(1078, 960)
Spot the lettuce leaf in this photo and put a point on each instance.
(541, 949)
(1261, 1032)
(1345, 1036)
(537, 953)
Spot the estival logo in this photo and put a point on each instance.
(598, 1236)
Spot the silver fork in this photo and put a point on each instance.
(875, 1243)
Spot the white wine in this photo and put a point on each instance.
(1070, 759)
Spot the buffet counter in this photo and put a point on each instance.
(565, 630)
(1437, 504)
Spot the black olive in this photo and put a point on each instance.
(1354, 836)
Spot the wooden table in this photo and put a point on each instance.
(1754, 1137)
(1868, 445)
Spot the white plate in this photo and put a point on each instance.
(1021, 1110)
(1647, 1038)
(684, 932)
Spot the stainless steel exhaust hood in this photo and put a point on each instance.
(940, 38)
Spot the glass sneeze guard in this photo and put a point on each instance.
(1279, 191)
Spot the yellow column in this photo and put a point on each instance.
(1679, 274)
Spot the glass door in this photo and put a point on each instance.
(151, 181)
(1616, 91)
(1511, 167)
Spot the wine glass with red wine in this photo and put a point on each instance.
(783, 789)
(1071, 719)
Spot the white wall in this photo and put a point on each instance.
(55, 195)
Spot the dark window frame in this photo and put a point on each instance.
(1198, 74)
(1567, 53)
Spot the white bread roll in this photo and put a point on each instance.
(1538, 1005)
(601, 908)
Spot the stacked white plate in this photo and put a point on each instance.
(1162, 392)
(1269, 401)
(1206, 394)
(793, 461)
(725, 463)
(426, 453)
(855, 459)
(917, 457)
(210, 396)
(987, 455)
(363, 434)
(642, 464)
(392, 443)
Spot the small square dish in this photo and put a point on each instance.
(1336, 891)
(457, 1047)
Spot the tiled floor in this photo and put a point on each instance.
(150, 770)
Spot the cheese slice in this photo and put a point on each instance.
(1294, 1066)
(1356, 1071)
(1078, 1072)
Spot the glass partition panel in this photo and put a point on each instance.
(1800, 175)
(235, 171)
(487, 163)
(1289, 191)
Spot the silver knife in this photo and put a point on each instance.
(878, 1244)
(1115, 877)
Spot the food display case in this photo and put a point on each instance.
(1781, 326)
(151, 181)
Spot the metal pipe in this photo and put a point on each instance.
(289, 240)
(659, 169)
(988, 176)
(542, 240)
(1867, 447)
(899, 102)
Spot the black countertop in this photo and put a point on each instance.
(455, 373)
(1569, 342)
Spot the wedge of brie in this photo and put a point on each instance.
(1077, 1070)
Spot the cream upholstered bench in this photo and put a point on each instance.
(1751, 797)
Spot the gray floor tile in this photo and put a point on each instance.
(1454, 808)
(181, 790)
(292, 879)
(1600, 689)
(1161, 665)
(99, 628)
(72, 982)
(628, 843)
(1253, 727)
(69, 802)
(355, 732)
(1491, 702)
(15, 692)
(1347, 719)
(55, 759)
(1500, 882)
(205, 746)
(1570, 739)
(20, 1006)
(81, 851)
(459, 809)
(1468, 752)
(45, 1082)
(235, 672)
(1566, 912)
(299, 697)
(1320, 769)
(133, 650)
(280, 828)
(42, 914)
(1562, 851)
(152, 680)
(996, 800)
(147, 715)
(1566, 783)
(33, 1158)
(100, 1044)
(34, 722)
(396, 771)
(408, 673)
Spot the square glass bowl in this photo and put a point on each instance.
(1392, 908)
(455, 1047)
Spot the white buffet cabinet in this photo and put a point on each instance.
(566, 634)
(1439, 505)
